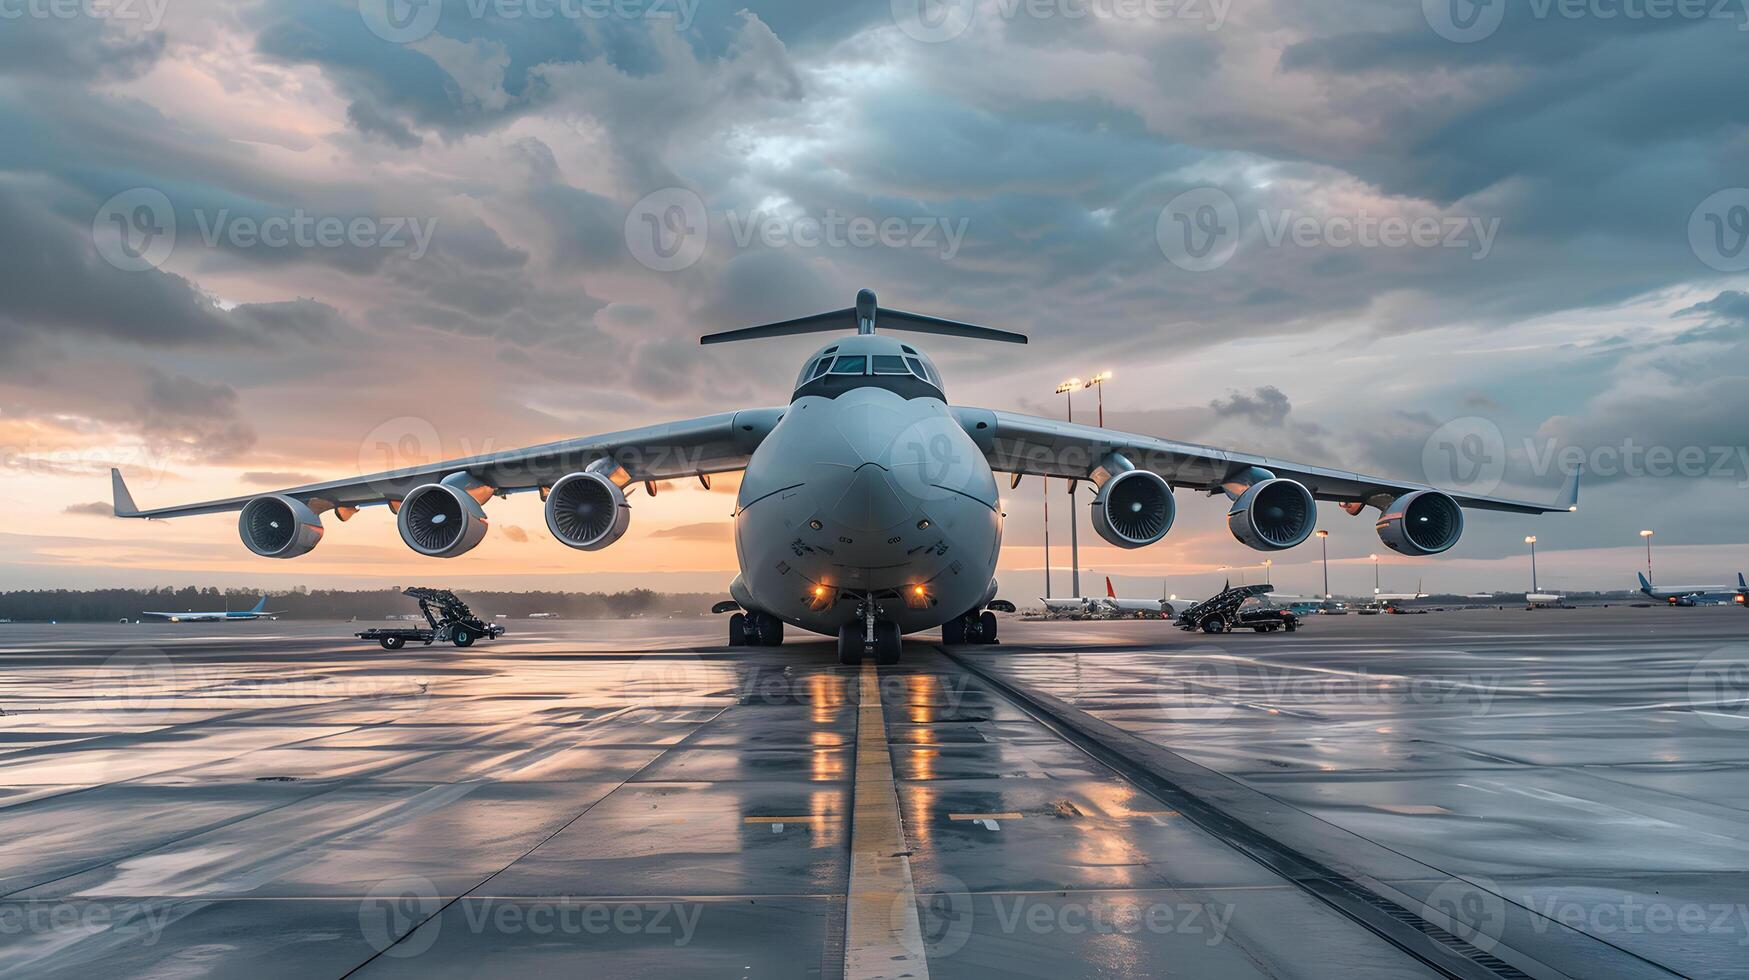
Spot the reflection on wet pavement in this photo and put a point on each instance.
(633, 799)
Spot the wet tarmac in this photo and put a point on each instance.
(1523, 794)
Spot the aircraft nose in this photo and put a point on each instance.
(870, 501)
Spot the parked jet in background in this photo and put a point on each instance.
(1159, 608)
(259, 612)
(1694, 595)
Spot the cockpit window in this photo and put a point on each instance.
(916, 367)
(820, 369)
(850, 364)
(889, 364)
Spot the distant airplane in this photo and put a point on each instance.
(868, 507)
(1128, 607)
(543, 615)
(259, 612)
(1388, 597)
(1074, 606)
(1693, 595)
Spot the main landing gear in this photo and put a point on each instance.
(755, 629)
(973, 627)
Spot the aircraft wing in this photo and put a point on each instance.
(695, 447)
(1027, 444)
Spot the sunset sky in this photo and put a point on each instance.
(477, 192)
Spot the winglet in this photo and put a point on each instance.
(1569, 499)
(124, 501)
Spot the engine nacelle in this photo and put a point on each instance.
(587, 511)
(277, 526)
(1133, 509)
(1273, 515)
(440, 520)
(1425, 522)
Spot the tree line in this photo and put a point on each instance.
(112, 605)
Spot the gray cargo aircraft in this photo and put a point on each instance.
(868, 505)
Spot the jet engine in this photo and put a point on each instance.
(587, 511)
(1425, 522)
(277, 526)
(1133, 509)
(1273, 515)
(441, 520)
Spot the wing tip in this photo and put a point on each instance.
(123, 500)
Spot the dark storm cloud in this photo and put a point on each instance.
(93, 509)
(194, 419)
(57, 48)
(1266, 406)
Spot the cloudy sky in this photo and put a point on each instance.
(248, 244)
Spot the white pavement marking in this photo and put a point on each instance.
(882, 936)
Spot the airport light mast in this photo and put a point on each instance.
(1068, 388)
(1648, 536)
(1047, 482)
(1324, 543)
(1375, 574)
(1531, 540)
(1097, 383)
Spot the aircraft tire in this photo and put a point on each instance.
(887, 645)
(850, 644)
(953, 632)
(738, 630)
(770, 630)
(987, 627)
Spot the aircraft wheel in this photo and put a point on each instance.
(770, 630)
(953, 632)
(987, 627)
(393, 642)
(738, 630)
(463, 637)
(887, 644)
(850, 644)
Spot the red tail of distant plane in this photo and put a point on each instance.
(1110, 592)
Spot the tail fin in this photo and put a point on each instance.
(1646, 586)
(262, 605)
(1742, 586)
(1110, 593)
(862, 318)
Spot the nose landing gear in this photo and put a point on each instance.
(866, 633)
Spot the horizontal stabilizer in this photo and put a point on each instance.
(863, 318)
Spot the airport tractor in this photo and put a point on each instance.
(450, 621)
